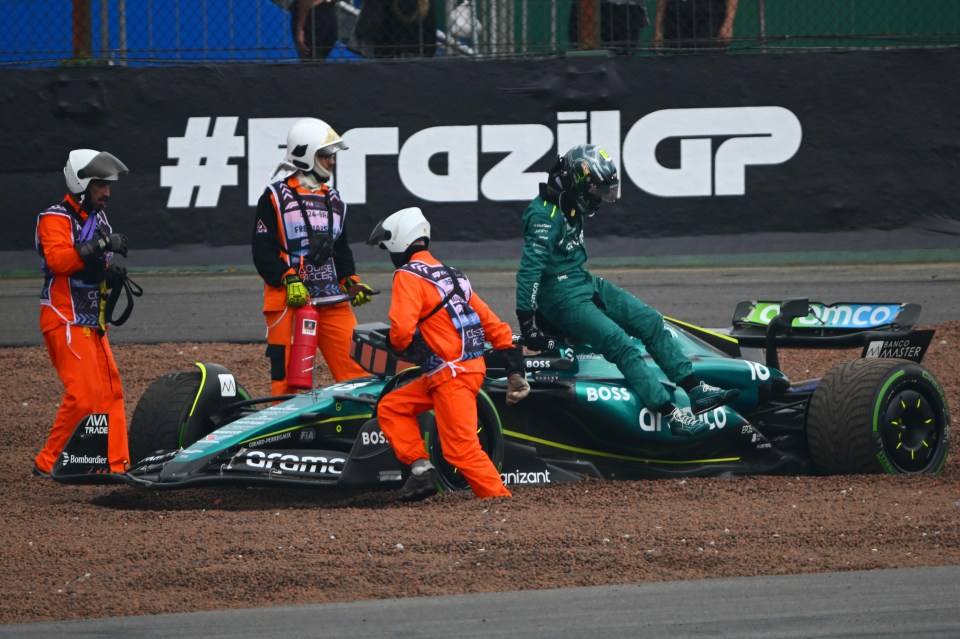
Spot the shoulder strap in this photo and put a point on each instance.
(446, 298)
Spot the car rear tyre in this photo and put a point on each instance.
(490, 433)
(160, 413)
(878, 416)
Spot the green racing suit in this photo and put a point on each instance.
(552, 278)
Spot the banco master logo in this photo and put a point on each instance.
(206, 157)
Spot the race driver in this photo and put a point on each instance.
(300, 250)
(438, 321)
(553, 281)
(77, 244)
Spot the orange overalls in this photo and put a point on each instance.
(77, 344)
(449, 388)
(280, 224)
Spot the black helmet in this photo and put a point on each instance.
(589, 176)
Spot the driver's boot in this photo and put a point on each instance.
(704, 397)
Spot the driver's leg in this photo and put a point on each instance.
(645, 323)
(570, 305)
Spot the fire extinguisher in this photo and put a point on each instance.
(303, 347)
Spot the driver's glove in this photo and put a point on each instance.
(296, 291)
(533, 337)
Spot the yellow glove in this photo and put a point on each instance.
(358, 291)
(296, 291)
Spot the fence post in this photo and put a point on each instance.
(762, 19)
(589, 27)
(82, 29)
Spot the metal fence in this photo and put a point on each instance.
(150, 32)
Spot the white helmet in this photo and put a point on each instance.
(306, 138)
(398, 231)
(84, 165)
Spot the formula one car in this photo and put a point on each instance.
(881, 413)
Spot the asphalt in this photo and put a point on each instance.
(880, 604)
(862, 246)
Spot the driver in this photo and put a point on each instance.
(77, 245)
(300, 250)
(438, 320)
(553, 282)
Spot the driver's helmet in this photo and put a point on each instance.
(308, 137)
(84, 165)
(589, 176)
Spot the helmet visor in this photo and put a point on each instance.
(103, 166)
(379, 235)
(332, 149)
(604, 192)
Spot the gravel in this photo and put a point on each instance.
(74, 552)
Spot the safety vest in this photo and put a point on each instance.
(455, 299)
(326, 213)
(75, 298)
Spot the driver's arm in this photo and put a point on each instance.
(540, 234)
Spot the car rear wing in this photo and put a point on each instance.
(880, 329)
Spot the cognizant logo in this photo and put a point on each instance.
(743, 136)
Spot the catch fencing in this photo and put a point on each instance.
(163, 32)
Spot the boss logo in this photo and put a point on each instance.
(607, 393)
(539, 363)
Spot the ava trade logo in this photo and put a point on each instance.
(833, 316)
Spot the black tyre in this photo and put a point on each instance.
(160, 414)
(878, 416)
(490, 432)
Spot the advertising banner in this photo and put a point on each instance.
(725, 145)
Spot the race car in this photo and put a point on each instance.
(880, 413)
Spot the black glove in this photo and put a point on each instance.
(92, 250)
(321, 250)
(513, 358)
(533, 337)
(407, 353)
(117, 242)
(114, 276)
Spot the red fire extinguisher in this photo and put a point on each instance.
(303, 347)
